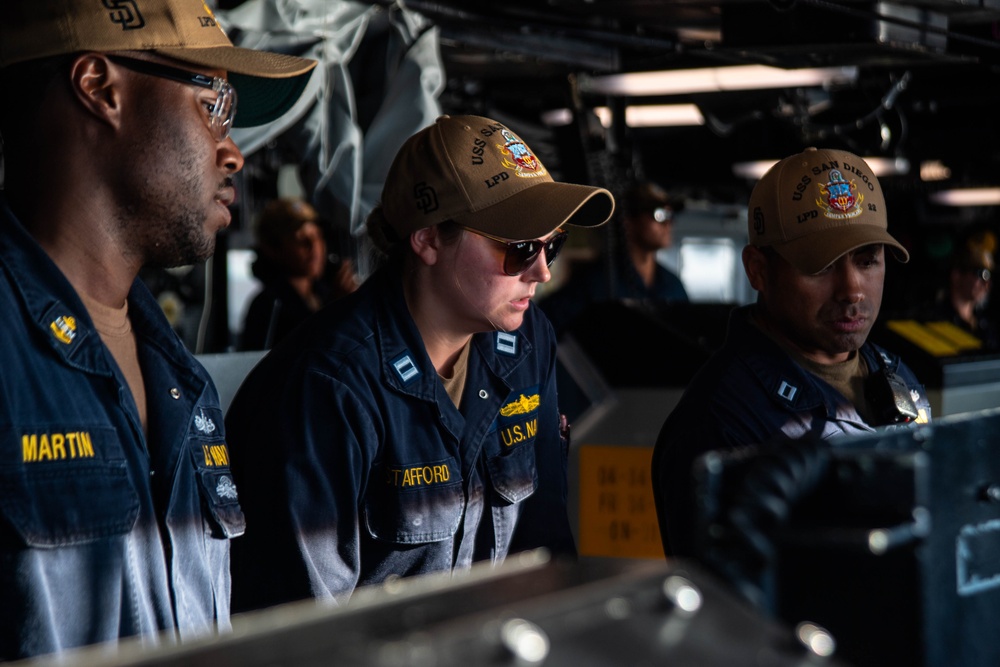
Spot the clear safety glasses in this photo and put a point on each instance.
(520, 255)
(663, 214)
(982, 274)
(220, 112)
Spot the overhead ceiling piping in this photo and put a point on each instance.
(554, 49)
(906, 23)
(541, 24)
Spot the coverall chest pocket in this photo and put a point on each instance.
(513, 473)
(66, 486)
(511, 453)
(416, 503)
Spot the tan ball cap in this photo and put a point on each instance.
(478, 173)
(267, 84)
(817, 205)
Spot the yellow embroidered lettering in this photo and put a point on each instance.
(58, 446)
(37, 447)
(86, 446)
(418, 475)
(29, 447)
(519, 432)
(44, 449)
(220, 455)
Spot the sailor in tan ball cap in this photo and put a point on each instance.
(796, 363)
(813, 207)
(414, 426)
(117, 504)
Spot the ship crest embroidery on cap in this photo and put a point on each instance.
(518, 156)
(841, 198)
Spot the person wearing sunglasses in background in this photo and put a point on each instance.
(295, 271)
(412, 427)
(965, 301)
(647, 217)
(116, 500)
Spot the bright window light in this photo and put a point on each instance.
(710, 268)
(242, 285)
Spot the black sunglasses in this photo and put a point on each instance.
(520, 255)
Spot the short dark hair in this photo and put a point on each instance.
(769, 252)
(281, 218)
(645, 197)
(388, 247)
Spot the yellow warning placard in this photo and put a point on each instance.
(958, 337)
(940, 339)
(617, 512)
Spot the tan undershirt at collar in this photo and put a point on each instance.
(847, 377)
(455, 384)
(115, 329)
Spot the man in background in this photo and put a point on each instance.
(292, 265)
(630, 270)
(965, 302)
